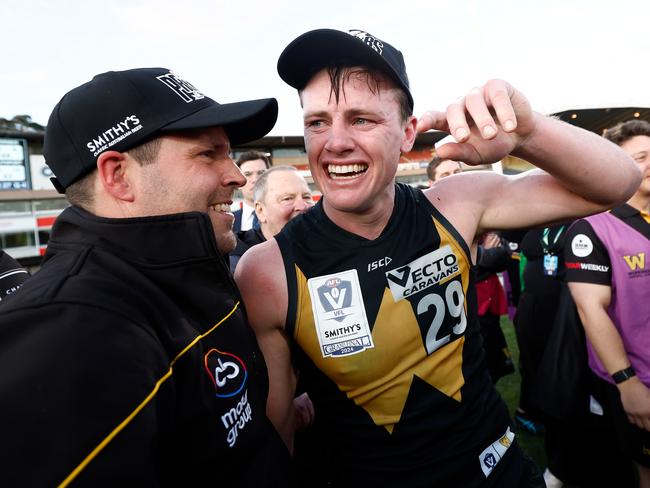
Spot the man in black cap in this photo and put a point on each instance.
(370, 294)
(127, 359)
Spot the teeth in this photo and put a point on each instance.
(346, 170)
(220, 207)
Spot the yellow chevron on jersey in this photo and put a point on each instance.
(379, 379)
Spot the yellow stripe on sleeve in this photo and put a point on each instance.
(75, 472)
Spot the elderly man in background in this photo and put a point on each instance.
(280, 194)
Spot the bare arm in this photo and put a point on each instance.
(592, 301)
(582, 172)
(261, 279)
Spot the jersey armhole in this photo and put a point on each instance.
(292, 287)
(423, 200)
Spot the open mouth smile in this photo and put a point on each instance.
(346, 171)
(220, 207)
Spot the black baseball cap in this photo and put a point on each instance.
(119, 110)
(322, 48)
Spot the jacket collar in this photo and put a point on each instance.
(152, 241)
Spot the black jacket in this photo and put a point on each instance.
(133, 317)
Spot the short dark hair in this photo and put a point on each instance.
(374, 79)
(81, 192)
(252, 156)
(624, 131)
(433, 166)
(147, 152)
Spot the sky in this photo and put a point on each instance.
(562, 54)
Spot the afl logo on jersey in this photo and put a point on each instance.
(227, 372)
(333, 283)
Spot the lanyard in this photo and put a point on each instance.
(544, 239)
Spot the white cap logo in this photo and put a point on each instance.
(182, 88)
(371, 41)
(581, 246)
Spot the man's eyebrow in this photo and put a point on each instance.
(316, 113)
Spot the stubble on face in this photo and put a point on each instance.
(193, 173)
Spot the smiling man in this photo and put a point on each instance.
(127, 359)
(280, 194)
(439, 168)
(369, 295)
(252, 164)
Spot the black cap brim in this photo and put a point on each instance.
(242, 121)
(314, 50)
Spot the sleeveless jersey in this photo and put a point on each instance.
(387, 343)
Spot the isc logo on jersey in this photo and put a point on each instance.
(422, 273)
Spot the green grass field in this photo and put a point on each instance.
(508, 386)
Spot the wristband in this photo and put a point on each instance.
(623, 375)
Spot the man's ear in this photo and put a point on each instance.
(259, 211)
(113, 177)
(410, 132)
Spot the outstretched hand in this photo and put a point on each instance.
(489, 123)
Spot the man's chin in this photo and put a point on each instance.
(226, 242)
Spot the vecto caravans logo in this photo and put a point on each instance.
(422, 273)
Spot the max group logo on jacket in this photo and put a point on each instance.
(229, 375)
(227, 371)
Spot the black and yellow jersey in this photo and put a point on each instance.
(387, 343)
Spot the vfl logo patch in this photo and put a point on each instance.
(368, 39)
(491, 456)
(339, 314)
(182, 88)
(227, 372)
(336, 298)
(422, 273)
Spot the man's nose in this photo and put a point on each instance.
(234, 176)
(339, 138)
(302, 203)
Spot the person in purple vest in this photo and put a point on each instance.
(609, 279)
